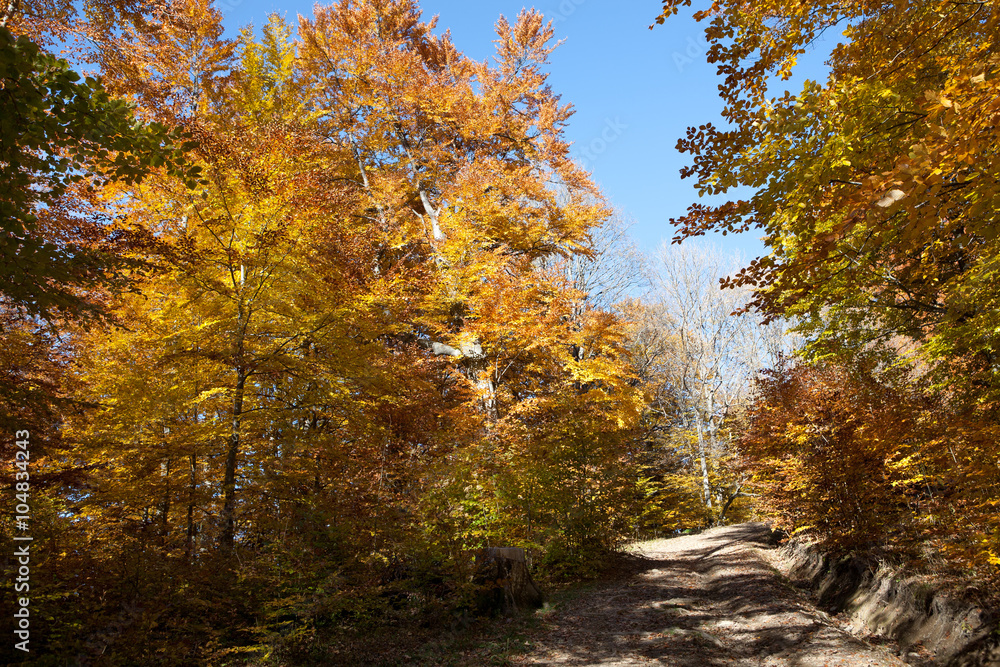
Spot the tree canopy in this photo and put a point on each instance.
(875, 188)
(308, 320)
(60, 138)
(876, 191)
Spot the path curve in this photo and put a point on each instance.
(707, 600)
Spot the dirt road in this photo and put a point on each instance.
(700, 601)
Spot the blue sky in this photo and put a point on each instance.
(635, 92)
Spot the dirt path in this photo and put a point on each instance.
(705, 600)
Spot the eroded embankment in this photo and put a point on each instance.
(931, 628)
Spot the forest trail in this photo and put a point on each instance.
(708, 600)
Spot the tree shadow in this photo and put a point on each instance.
(712, 603)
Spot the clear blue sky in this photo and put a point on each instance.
(635, 92)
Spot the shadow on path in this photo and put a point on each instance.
(700, 600)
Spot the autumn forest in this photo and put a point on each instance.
(295, 324)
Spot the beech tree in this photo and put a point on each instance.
(874, 188)
(353, 351)
(699, 356)
(63, 136)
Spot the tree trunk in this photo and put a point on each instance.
(229, 481)
(165, 508)
(705, 482)
(506, 584)
(192, 485)
(725, 508)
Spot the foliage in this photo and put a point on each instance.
(876, 188)
(354, 356)
(822, 440)
(865, 458)
(61, 138)
(876, 191)
(697, 358)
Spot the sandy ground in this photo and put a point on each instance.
(700, 601)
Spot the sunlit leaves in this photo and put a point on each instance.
(875, 188)
(863, 457)
(59, 138)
